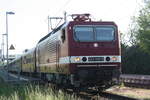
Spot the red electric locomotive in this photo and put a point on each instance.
(79, 53)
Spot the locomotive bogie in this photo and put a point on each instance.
(90, 74)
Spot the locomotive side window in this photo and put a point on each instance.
(63, 37)
(83, 34)
(104, 33)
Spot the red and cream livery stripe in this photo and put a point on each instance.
(78, 59)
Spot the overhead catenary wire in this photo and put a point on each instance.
(50, 18)
(62, 8)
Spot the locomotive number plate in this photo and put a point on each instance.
(96, 59)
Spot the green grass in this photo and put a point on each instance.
(32, 92)
(1, 80)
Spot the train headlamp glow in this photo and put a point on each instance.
(76, 59)
(114, 58)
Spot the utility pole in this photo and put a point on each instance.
(48, 24)
(3, 51)
(7, 13)
(65, 16)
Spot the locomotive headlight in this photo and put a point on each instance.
(114, 58)
(76, 59)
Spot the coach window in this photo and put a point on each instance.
(63, 37)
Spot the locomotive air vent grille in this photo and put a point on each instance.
(95, 58)
(52, 46)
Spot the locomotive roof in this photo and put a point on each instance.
(18, 58)
(29, 51)
(66, 23)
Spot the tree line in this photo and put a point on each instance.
(136, 51)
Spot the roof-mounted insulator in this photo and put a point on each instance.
(81, 17)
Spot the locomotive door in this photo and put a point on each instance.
(57, 55)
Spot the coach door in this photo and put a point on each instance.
(37, 59)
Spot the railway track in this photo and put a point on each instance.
(139, 81)
(16, 79)
(96, 95)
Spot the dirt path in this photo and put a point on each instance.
(143, 94)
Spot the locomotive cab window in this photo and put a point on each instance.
(94, 33)
(104, 33)
(83, 34)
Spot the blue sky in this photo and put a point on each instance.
(29, 23)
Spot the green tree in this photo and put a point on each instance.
(135, 61)
(141, 29)
(135, 57)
